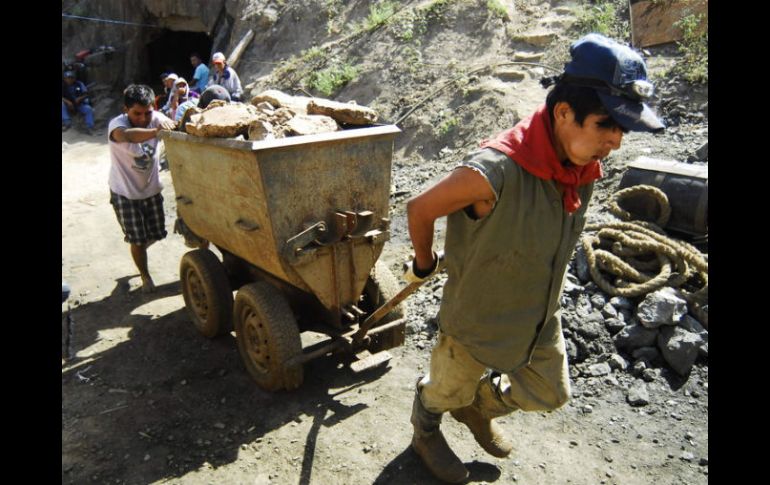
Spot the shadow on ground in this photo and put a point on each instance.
(164, 401)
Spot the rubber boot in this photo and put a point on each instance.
(429, 443)
(478, 418)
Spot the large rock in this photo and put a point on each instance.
(312, 124)
(261, 130)
(348, 113)
(598, 370)
(638, 395)
(679, 348)
(225, 121)
(279, 99)
(634, 336)
(591, 326)
(614, 325)
(662, 307)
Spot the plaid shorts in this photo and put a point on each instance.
(142, 220)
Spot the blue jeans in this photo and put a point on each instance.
(85, 109)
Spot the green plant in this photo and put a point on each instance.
(694, 63)
(332, 11)
(447, 126)
(409, 25)
(296, 67)
(607, 17)
(331, 79)
(379, 14)
(497, 9)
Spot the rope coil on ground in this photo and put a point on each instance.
(640, 256)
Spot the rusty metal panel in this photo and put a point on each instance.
(652, 21)
(220, 197)
(272, 202)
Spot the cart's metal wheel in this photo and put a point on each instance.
(206, 292)
(381, 287)
(267, 336)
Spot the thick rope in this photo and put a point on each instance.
(640, 256)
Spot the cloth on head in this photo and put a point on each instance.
(171, 76)
(69, 73)
(211, 93)
(530, 144)
(179, 81)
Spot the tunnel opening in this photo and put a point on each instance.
(171, 51)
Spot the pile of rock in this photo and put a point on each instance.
(273, 114)
(656, 329)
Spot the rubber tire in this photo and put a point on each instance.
(204, 281)
(381, 286)
(261, 313)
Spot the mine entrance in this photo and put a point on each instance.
(171, 53)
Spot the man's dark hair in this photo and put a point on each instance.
(138, 94)
(583, 101)
(195, 54)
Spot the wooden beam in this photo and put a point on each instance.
(235, 55)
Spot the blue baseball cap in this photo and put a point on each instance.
(619, 76)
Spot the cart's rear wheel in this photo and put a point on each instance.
(267, 336)
(381, 287)
(206, 292)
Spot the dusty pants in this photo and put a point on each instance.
(456, 378)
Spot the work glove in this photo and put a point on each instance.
(414, 275)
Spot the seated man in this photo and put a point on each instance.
(74, 99)
(225, 76)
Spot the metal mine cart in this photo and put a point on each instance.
(300, 223)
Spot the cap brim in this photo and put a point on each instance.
(631, 115)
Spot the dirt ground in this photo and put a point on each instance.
(146, 399)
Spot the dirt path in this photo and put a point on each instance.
(146, 399)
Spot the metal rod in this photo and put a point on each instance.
(339, 343)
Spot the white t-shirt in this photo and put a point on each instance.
(134, 170)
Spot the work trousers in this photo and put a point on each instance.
(86, 110)
(455, 380)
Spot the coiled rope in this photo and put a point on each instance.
(640, 255)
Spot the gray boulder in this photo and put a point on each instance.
(679, 348)
(634, 336)
(638, 395)
(662, 307)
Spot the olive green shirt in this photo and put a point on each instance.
(506, 271)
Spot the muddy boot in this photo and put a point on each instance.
(430, 445)
(478, 418)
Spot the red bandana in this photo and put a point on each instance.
(530, 144)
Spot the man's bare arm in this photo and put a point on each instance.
(459, 189)
(138, 135)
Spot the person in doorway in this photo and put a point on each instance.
(74, 99)
(226, 76)
(200, 75)
(515, 209)
(135, 187)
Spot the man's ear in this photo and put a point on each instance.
(562, 111)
